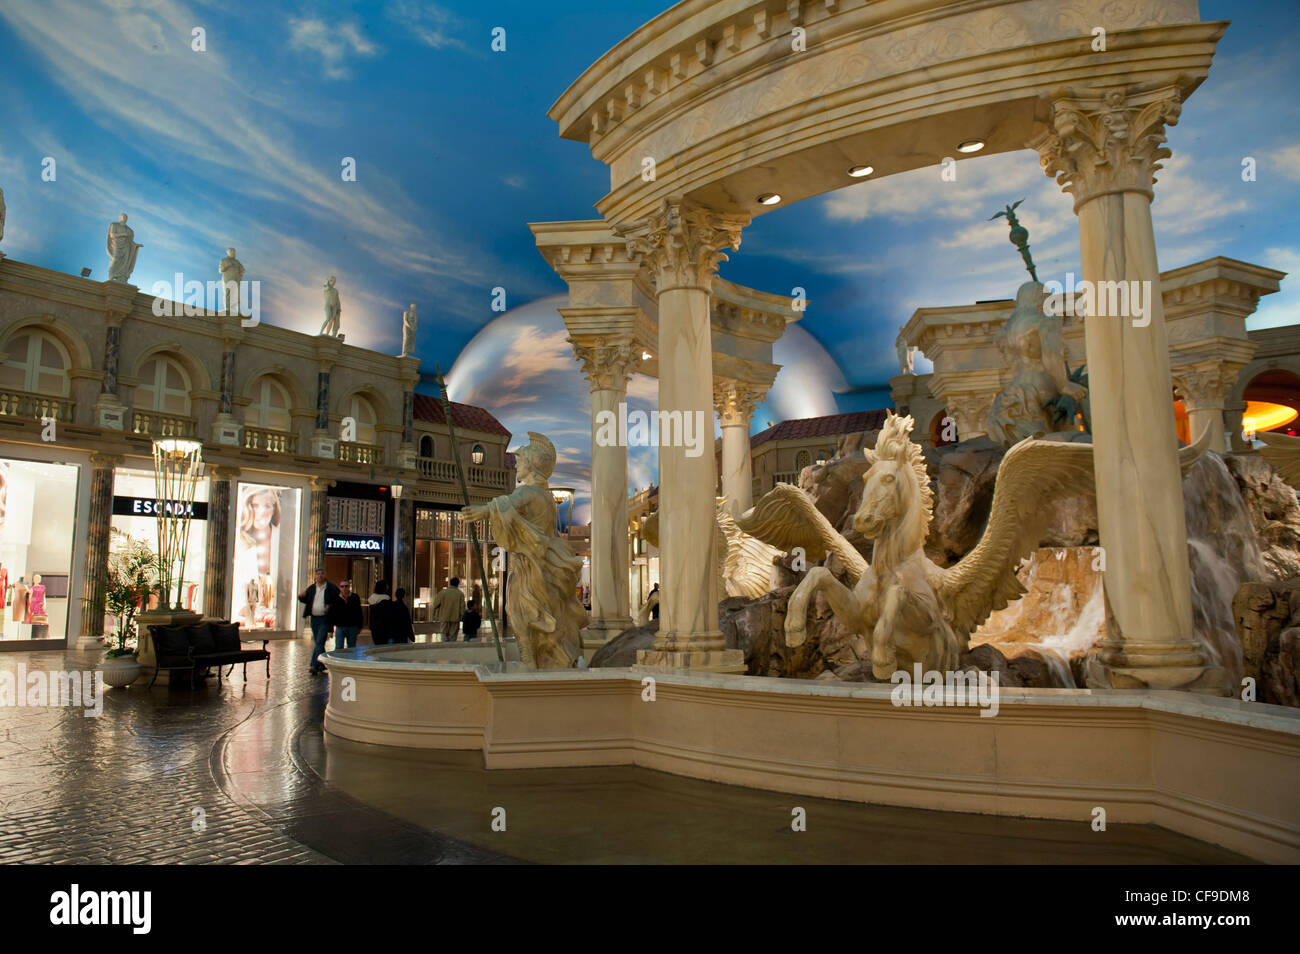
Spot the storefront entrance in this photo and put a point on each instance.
(38, 503)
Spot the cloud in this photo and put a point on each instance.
(426, 22)
(335, 44)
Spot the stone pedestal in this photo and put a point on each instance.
(323, 445)
(110, 413)
(226, 430)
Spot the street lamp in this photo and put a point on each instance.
(476, 455)
(396, 489)
(562, 495)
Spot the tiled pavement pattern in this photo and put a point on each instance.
(124, 787)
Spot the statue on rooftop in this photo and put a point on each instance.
(905, 353)
(409, 325)
(122, 250)
(543, 575)
(2, 218)
(333, 310)
(232, 273)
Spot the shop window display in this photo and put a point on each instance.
(266, 531)
(37, 529)
(135, 519)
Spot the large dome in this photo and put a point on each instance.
(521, 368)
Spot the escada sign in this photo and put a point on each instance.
(148, 507)
(355, 544)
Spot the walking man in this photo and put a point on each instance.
(448, 608)
(317, 601)
(346, 617)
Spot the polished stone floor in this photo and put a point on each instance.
(244, 775)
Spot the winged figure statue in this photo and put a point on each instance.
(1283, 452)
(910, 609)
(744, 562)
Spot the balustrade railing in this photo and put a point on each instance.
(35, 406)
(351, 452)
(157, 424)
(272, 441)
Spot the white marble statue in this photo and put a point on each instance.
(544, 574)
(745, 563)
(232, 273)
(333, 310)
(2, 218)
(906, 353)
(122, 250)
(910, 609)
(409, 324)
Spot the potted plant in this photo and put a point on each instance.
(129, 578)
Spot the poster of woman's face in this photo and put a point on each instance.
(266, 546)
(259, 513)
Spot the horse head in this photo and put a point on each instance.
(896, 498)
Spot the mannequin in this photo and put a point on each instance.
(20, 601)
(36, 607)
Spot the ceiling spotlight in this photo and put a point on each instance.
(858, 172)
(970, 145)
(769, 198)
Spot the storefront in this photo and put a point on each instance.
(358, 536)
(443, 550)
(135, 521)
(267, 531)
(38, 517)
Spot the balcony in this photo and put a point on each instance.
(487, 477)
(351, 452)
(274, 442)
(34, 407)
(790, 477)
(157, 424)
(430, 469)
(444, 471)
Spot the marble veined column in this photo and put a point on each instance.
(1103, 149)
(608, 362)
(735, 402)
(97, 551)
(216, 579)
(680, 243)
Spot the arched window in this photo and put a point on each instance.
(164, 387)
(363, 412)
(270, 406)
(801, 460)
(426, 446)
(37, 363)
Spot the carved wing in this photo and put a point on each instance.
(1189, 455)
(1283, 452)
(985, 580)
(746, 560)
(786, 518)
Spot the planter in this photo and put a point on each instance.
(119, 670)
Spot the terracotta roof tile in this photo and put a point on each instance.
(465, 416)
(833, 424)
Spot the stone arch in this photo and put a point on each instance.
(282, 376)
(371, 394)
(200, 379)
(74, 343)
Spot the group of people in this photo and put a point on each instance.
(336, 608)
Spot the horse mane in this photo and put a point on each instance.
(894, 444)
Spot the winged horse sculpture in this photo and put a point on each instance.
(911, 609)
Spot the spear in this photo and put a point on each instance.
(473, 533)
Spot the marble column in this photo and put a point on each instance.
(95, 565)
(735, 402)
(225, 427)
(404, 558)
(110, 412)
(322, 444)
(608, 362)
(216, 580)
(1204, 388)
(316, 524)
(680, 243)
(1103, 149)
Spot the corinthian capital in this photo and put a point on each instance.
(1108, 140)
(735, 401)
(607, 362)
(680, 243)
(1206, 384)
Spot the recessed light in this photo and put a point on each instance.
(858, 172)
(769, 198)
(970, 145)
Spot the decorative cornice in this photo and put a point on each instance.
(1107, 141)
(681, 243)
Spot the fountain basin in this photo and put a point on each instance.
(1220, 770)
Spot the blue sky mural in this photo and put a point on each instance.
(242, 145)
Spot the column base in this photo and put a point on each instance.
(110, 414)
(322, 445)
(708, 660)
(1183, 669)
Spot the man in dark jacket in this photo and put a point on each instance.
(346, 617)
(317, 601)
(471, 621)
(381, 614)
(403, 631)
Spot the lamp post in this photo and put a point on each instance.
(563, 495)
(396, 489)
